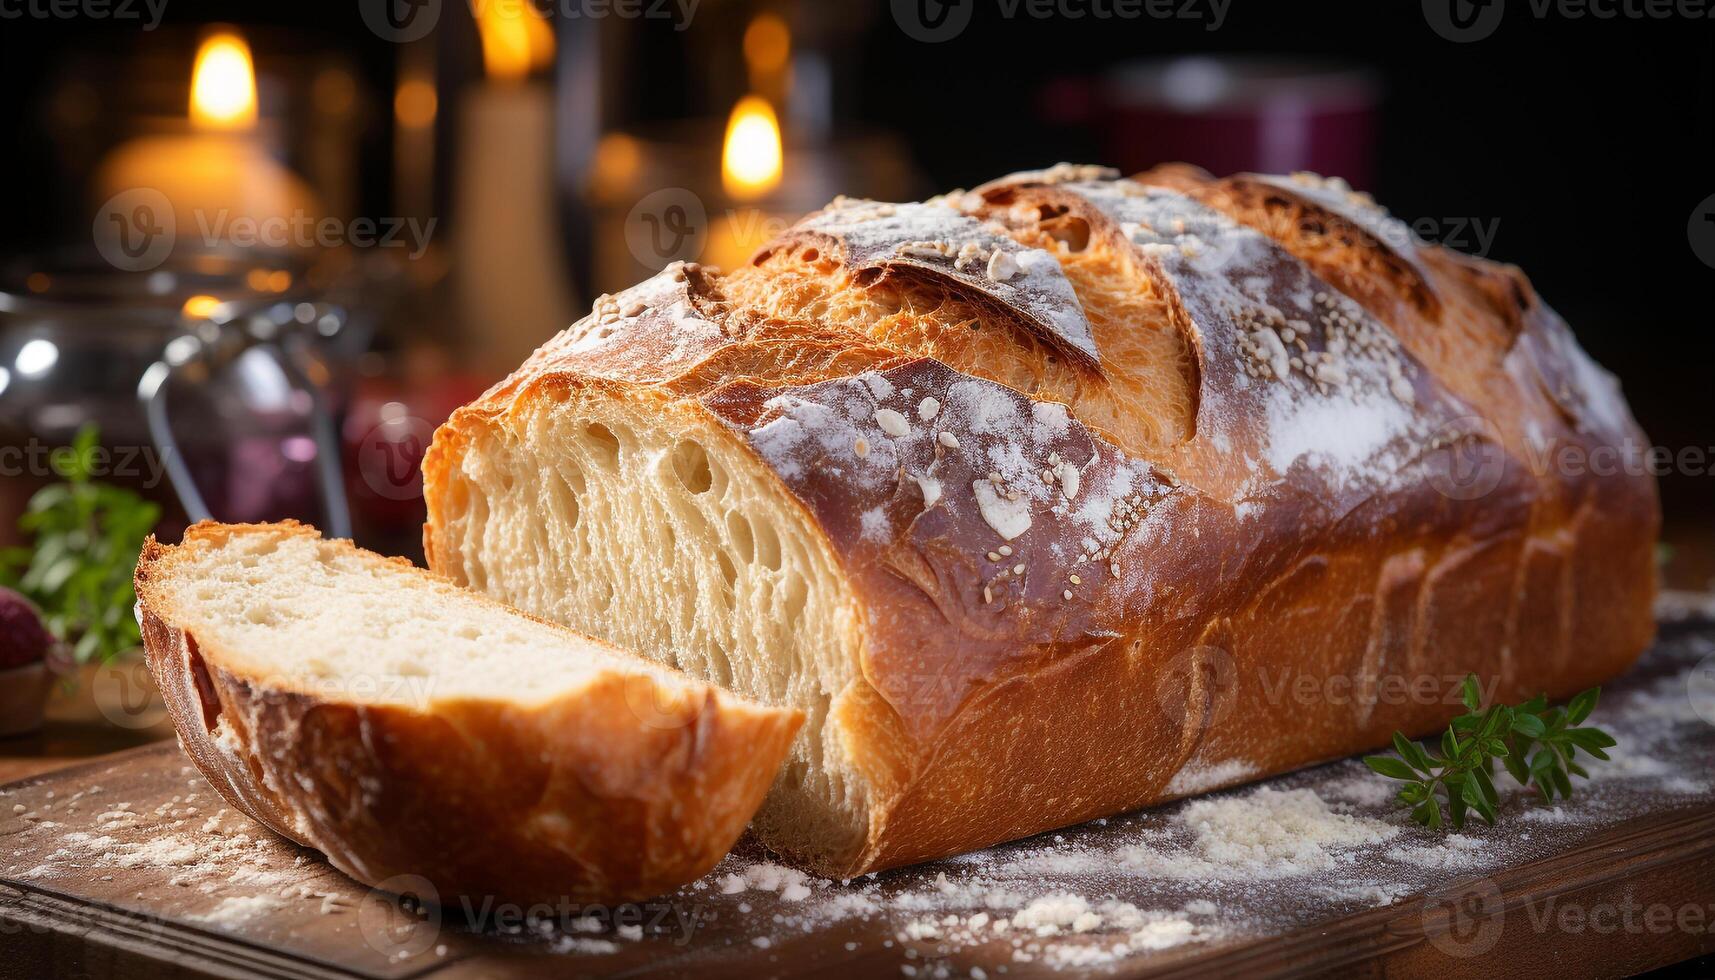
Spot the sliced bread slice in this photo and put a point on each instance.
(413, 730)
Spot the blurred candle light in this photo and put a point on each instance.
(767, 52)
(753, 155)
(512, 277)
(515, 40)
(212, 166)
(200, 306)
(223, 84)
(751, 158)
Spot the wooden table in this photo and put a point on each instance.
(125, 867)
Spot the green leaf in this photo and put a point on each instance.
(1581, 706)
(1486, 787)
(1485, 809)
(1516, 767)
(1543, 761)
(1390, 767)
(1472, 695)
(1590, 738)
(1412, 753)
(1456, 809)
(1494, 720)
(1530, 725)
(1427, 813)
(1561, 781)
(1450, 744)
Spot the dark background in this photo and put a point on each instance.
(1589, 140)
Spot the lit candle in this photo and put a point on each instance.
(752, 164)
(511, 272)
(213, 168)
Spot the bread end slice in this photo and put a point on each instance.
(415, 732)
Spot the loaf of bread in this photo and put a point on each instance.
(411, 730)
(1065, 496)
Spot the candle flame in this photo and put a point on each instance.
(223, 83)
(516, 39)
(751, 158)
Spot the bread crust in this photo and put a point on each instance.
(617, 791)
(1309, 571)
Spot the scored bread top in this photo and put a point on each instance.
(1290, 378)
(296, 612)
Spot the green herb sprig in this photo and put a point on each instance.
(85, 537)
(1536, 744)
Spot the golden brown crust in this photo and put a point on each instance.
(1306, 567)
(618, 791)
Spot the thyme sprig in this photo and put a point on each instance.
(1534, 742)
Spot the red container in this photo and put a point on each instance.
(1229, 115)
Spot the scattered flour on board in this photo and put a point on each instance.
(1453, 851)
(236, 910)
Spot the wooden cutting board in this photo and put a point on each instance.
(132, 867)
